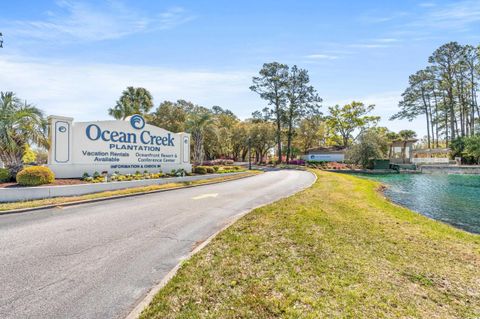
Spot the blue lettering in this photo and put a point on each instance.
(131, 138)
(105, 135)
(114, 136)
(97, 132)
(170, 140)
(145, 139)
(94, 132)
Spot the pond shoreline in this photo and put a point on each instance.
(448, 198)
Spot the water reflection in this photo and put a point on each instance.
(454, 199)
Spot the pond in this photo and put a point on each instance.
(453, 199)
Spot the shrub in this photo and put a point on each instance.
(297, 162)
(96, 175)
(218, 162)
(5, 175)
(35, 175)
(210, 170)
(85, 176)
(200, 170)
(204, 170)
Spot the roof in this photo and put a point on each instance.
(322, 150)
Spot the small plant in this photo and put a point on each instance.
(35, 175)
(138, 173)
(5, 175)
(85, 176)
(96, 175)
(210, 170)
(200, 170)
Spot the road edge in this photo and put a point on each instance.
(142, 304)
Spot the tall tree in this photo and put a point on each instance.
(170, 116)
(345, 120)
(21, 124)
(271, 85)
(446, 59)
(446, 93)
(371, 144)
(416, 99)
(311, 132)
(302, 100)
(132, 101)
(262, 138)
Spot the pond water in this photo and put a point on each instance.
(453, 199)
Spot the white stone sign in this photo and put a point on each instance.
(114, 146)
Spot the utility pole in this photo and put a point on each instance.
(1, 40)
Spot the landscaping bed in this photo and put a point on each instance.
(337, 249)
(57, 182)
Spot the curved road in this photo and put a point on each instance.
(98, 260)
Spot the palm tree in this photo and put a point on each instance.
(132, 101)
(198, 122)
(21, 124)
(405, 136)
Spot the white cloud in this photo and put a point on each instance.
(322, 57)
(387, 40)
(173, 17)
(455, 15)
(75, 21)
(369, 45)
(86, 91)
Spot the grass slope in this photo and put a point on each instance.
(337, 249)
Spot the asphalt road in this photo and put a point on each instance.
(98, 260)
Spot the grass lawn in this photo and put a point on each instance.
(121, 192)
(337, 249)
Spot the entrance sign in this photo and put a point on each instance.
(114, 146)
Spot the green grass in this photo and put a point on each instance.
(127, 191)
(336, 250)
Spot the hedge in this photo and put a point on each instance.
(35, 175)
(204, 170)
(5, 175)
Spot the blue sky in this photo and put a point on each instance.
(74, 58)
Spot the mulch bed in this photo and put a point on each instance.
(58, 182)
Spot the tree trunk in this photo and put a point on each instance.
(14, 163)
(289, 137)
(279, 134)
(426, 115)
(198, 147)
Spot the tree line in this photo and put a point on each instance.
(292, 121)
(445, 94)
